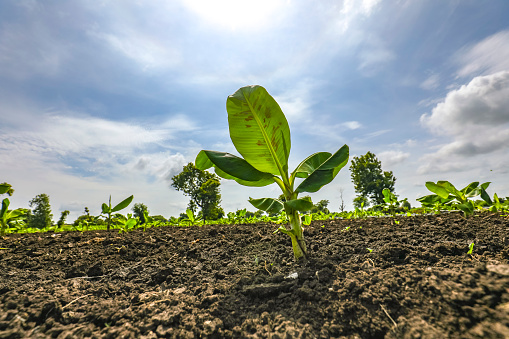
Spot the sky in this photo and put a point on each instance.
(101, 98)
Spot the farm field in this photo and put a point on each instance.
(403, 277)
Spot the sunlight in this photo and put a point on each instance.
(236, 14)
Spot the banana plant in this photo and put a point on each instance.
(126, 224)
(391, 201)
(192, 219)
(7, 216)
(107, 210)
(260, 133)
(446, 191)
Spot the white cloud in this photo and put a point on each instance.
(391, 158)
(148, 51)
(352, 9)
(475, 117)
(373, 55)
(235, 15)
(352, 125)
(488, 56)
(432, 82)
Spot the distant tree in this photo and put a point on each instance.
(369, 180)
(41, 216)
(342, 206)
(360, 201)
(85, 218)
(139, 210)
(203, 189)
(63, 216)
(320, 206)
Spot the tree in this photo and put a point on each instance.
(41, 213)
(320, 206)
(203, 189)
(139, 211)
(63, 216)
(369, 180)
(342, 206)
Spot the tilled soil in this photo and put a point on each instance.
(409, 277)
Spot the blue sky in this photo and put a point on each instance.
(115, 97)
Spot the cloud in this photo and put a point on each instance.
(431, 83)
(352, 125)
(90, 145)
(488, 56)
(475, 117)
(353, 9)
(391, 158)
(149, 53)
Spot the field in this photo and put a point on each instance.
(403, 277)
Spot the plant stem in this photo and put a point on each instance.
(297, 235)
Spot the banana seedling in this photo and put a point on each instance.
(261, 134)
(446, 191)
(107, 210)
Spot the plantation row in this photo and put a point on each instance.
(449, 199)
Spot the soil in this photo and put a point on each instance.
(408, 277)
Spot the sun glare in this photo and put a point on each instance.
(236, 14)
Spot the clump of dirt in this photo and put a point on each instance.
(405, 277)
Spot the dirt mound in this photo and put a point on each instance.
(408, 277)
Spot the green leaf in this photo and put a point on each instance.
(438, 189)
(267, 204)
(387, 195)
(302, 204)
(326, 172)
(486, 197)
(470, 188)
(14, 214)
(259, 129)
(5, 205)
(307, 220)
(229, 166)
(122, 204)
(467, 208)
(310, 164)
(105, 209)
(450, 187)
(131, 223)
(4, 188)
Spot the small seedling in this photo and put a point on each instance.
(369, 249)
(470, 248)
(106, 209)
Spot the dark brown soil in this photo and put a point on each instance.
(239, 281)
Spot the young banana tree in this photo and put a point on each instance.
(107, 210)
(446, 191)
(260, 133)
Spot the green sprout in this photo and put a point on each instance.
(470, 248)
(191, 218)
(260, 133)
(106, 209)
